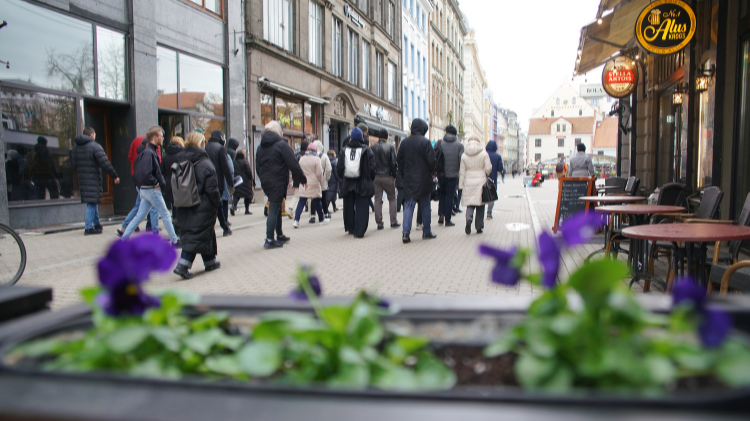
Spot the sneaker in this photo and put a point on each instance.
(396, 225)
(183, 272)
(227, 233)
(450, 224)
(91, 231)
(489, 217)
(479, 231)
(312, 220)
(325, 220)
(468, 227)
(247, 212)
(419, 227)
(295, 224)
(283, 239)
(328, 215)
(177, 245)
(216, 265)
(98, 228)
(430, 236)
(229, 224)
(119, 232)
(272, 244)
(459, 210)
(380, 227)
(440, 220)
(137, 229)
(405, 239)
(231, 211)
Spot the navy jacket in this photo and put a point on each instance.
(147, 169)
(496, 159)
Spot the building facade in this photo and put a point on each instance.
(447, 32)
(474, 85)
(320, 68)
(559, 125)
(415, 23)
(119, 67)
(510, 145)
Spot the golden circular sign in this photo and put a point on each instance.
(665, 27)
(620, 77)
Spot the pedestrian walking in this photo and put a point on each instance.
(502, 173)
(198, 235)
(356, 170)
(497, 166)
(561, 168)
(327, 167)
(475, 167)
(149, 179)
(232, 145)
(217, 153)
(333, 185)
(580, 163)
(311, 167)
(170, 157)
(450, 151)
(385, 179)
(42, 171)
(245, 190)
(295, 184)
(87, 160)
(416, 163)
(399, 188)
(152, 223)
(274, 160)
(226, 196)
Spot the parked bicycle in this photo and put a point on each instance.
(12, 256)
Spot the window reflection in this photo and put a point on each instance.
(112, 68)
(166, 77)
(310, 118)
(39, 131)
(289, 113)
(201, 86)
(266, 108)
(47, 49)
(207, 125)
(214, 6)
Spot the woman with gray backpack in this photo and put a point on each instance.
(196, 202)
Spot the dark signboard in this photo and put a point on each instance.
(572, 188)
(665, 27)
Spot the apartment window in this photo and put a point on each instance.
(353, 59)
(595, 101)
(213, 6)
(411, 106)
(390, 18)
(424, 69)
(316, 34)
(565, 127)
(424, 28)
(558, 101)
(336, 47)
(391, 82)
(419, 13)
(574, 100)
(561, 142)
(537, 157)
(419, 64)
(379, 74)
(538, 143)
(578, 140)
(424, 108)
(404, 101)
(600, 152)
(406, 52)
(580, 112)
(560, 155)
(365, 65)
(558, 127)
(553, 113)
(277, 23)
(412, 57)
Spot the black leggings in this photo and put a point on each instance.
(237, 200)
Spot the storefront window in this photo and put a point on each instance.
(289, 113)
(47, 49)
(310, 118)
(39, 132)
(201, 86)
(166, 77)
(207, 125)
(706, 143)
(266, 108)
(113, 71)
(742, 147)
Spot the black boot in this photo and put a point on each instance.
(182, 270)
(405, 239)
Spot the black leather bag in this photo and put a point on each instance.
(184, 187)
(489, 191)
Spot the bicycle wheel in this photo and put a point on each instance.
(12, 256)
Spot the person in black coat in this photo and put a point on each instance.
(217, 153)
(197, 222)
(416, 163)
(171, 155)
(87, 160)
(359, 190)
(333, 183)
(274, 160)
(43, 172)
(244, 190)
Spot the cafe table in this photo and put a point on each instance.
(691, 235)
(611, 200)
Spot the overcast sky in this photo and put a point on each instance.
(528, 47)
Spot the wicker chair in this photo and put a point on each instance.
(731, 274)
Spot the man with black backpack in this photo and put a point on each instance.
(448, 154)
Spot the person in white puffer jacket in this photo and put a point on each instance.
(475, 167)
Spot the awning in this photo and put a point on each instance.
(264, 82)
(374, 124)
(615, 32)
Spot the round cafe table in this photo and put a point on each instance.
(689, 234)
(639, 212)
(609, 200)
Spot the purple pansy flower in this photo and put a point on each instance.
(715, 324)
(126, 298)
(502, 273)
(580, 228)
(299, 294)
(549, 257)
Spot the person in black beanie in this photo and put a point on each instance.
(217, 153)
(356, 183)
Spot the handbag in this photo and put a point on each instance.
(489, 191)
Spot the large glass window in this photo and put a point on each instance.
(266, 108)
(741, 171)
(315, 28)
(311, 118)
(200, 88)
(353, 57)
(166, 77)
(39, 132)
(379, 74)
(390, 18)
(277, 23)
(336, 47)
(110, 59)
(366, 65)
(207, 124)
(391, 83)
(289, 113)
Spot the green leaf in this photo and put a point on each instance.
(369, 331)
(541, 342)
(231, 342)
(564, 324)
(433, 374)
(337, 317)
(532, 371)
(694, 359)
(260, 358)
(127, 339)
(180, 297)
(661, 368)
(561, 380)
(350, 356)
(273, 330)
(350, 376)
(89, 294)
(397, 378)
(596, 280)
(224, 364)
(208, 321)
(167, 337)
(733, 367)
(505, 343)
(412, 344)
(202, 342)
(38, 348)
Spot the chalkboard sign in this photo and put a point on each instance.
(572, 188)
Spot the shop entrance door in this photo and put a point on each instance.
(173, 125)
(669, 148)
(98, 119)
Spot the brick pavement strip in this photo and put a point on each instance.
(449, 265)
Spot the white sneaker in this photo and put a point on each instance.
(419, 227)
(295, 224)
(326, 220)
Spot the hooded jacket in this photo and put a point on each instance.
(362, 185)
(475, 166)
(197, 234)
(232, 145)
(325, 164)
(171, 153)
(274, 160)
(495, 159)
(416, 162)
(87, 160)
(452, 151)
(217, 153)
(310, 164)
(242, 169)
(333, 182)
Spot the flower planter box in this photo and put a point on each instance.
(449, 321)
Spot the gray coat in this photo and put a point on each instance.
(580, 165)
(452, 151)
(88, 159)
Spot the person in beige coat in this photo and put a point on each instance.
(325, 165)
(313, 170)
(475, 167)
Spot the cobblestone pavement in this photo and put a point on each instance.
(449, 265)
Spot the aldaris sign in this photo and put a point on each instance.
(665, 26)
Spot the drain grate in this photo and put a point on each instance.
(517, 226)
(516, 196)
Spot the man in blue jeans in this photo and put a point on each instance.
(87, 160)
(416, 164)
(149, 179)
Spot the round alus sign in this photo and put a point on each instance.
(665, 27)
(620, 77)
